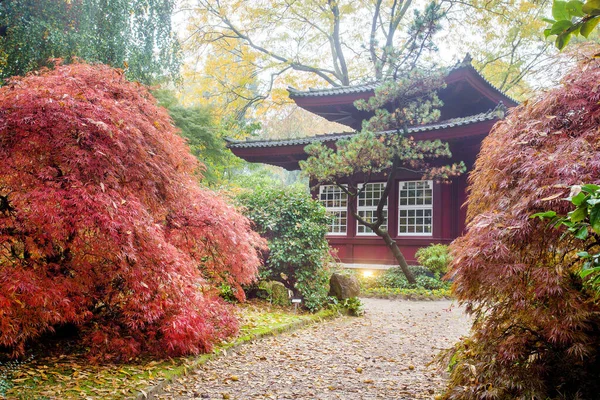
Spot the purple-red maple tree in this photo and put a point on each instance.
(103, 223)
(536, 332)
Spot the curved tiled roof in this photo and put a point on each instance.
(369, 87)
(496, 113)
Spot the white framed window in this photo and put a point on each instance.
(367, 207)
(415, 208)
(335, 202)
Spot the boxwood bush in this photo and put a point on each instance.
(295, 226)
(434, 258)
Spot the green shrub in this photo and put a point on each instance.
(354, 306)
(226, 293)
(430, 283)
(367, 282)
(295, 226)
(435, 258)
(393, 278)
(419, 270)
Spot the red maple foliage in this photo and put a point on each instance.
(536, 333)
(103, 224)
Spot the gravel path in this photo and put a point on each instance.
(383, 355)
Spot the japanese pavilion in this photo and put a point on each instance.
(419, 212)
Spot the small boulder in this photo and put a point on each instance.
(280, 295)
(344, 286)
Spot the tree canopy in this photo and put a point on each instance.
(330, 43)
(103, 224)
(327, 42)
(535, 331)
(371, 155)
(133, 35)
(205, 137)
(572, 18)
(505, 40)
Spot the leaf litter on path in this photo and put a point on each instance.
(383, 355)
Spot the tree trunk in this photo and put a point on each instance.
(383, 233)
(391, 244)
(376, 226)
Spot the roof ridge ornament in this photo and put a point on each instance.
(500, 110)
(467, 60)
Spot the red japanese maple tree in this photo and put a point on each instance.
(103, 224)
(536, 331)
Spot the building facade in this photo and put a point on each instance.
(418, 212)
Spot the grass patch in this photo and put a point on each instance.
(70, 376)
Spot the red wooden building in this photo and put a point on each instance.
(419, 212)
